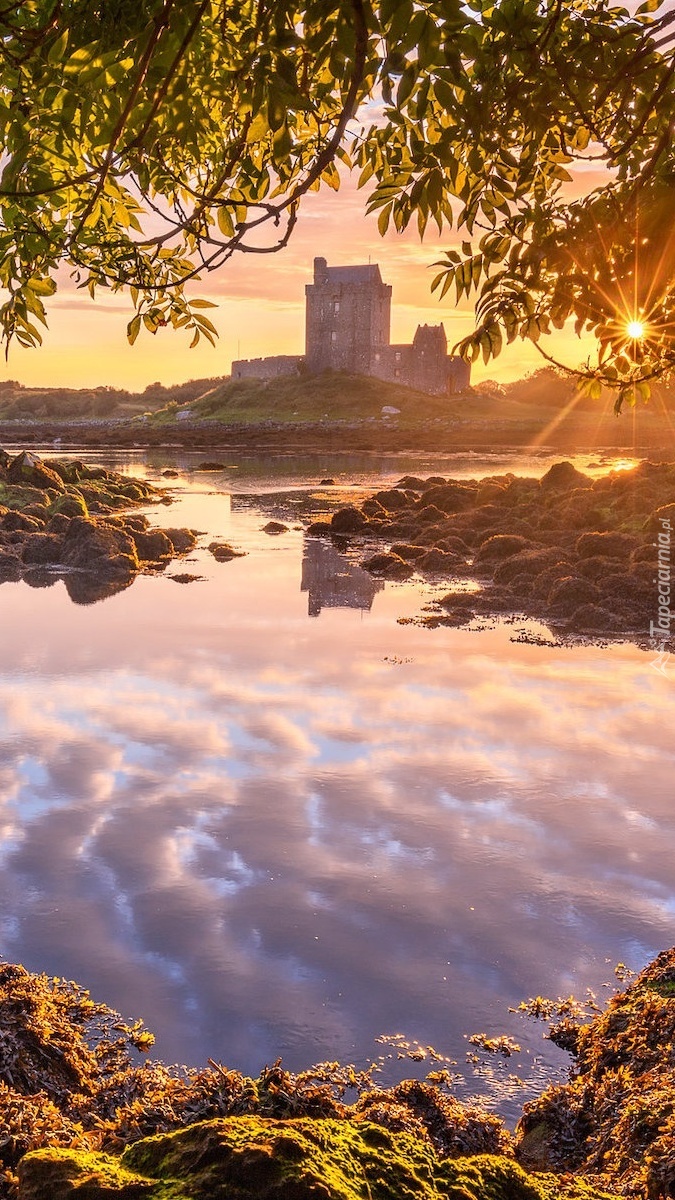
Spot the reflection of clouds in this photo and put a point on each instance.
(263, 836)
(279, 735)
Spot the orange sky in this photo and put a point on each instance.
(261, 309)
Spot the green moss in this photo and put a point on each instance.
(70, 504)
(555, 1187)
(247, 1157)
(244, 1157)
(18, 496)
(253, 1158)
(59, 1174)
(663, 987)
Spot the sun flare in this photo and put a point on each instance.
(635, 330)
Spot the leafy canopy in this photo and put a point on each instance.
(144, 142)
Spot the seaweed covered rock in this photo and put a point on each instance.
(452, 1128)
(29, 468)
(56, 1040)
(61, 519)
(153, 546)
(388, 566)
(526, 537)
(616, 1118)
(224, 552)
(88, 545)
(348, 520)
(563, 476)
(246, 1158)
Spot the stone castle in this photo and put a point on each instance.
(347, 328)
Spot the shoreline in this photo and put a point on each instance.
(82, 1117)
(377, 436)
(588, 558)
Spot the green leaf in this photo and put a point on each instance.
(225, 222)
(42, 287)
(57, 49)
(383, 219)
(133, 329)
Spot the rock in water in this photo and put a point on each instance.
(29, 468)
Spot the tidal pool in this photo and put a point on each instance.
(264, 815)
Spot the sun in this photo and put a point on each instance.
(635, 330)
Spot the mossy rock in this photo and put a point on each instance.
(18, 496)
(59, 1174)
(132, 491)
(70, 504)
(68, 470)
(252, 1158)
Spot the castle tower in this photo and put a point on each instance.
(348, 313)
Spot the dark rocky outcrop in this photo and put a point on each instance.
(563, 476)
(569, 550)
(153, 546)
(27, 468)
(348, 520)
(66, 520)
(387, 566)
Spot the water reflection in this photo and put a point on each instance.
(332, 581)
(268, 835)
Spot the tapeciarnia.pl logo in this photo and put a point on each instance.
(659, 630)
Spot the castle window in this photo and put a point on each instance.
(397, 374)
(398, 356)
(336, 306)
(377, 356)
(333, 336)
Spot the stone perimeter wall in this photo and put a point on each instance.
(267, 368)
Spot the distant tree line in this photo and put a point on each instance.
(18, 402)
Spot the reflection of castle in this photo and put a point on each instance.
(332, 581)
(348, 314)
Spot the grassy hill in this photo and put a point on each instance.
(339, 396)
(332, 396)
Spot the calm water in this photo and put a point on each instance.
(271, 820)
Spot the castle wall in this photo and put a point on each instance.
(459, 375)
(266, 368)
(424, 365)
